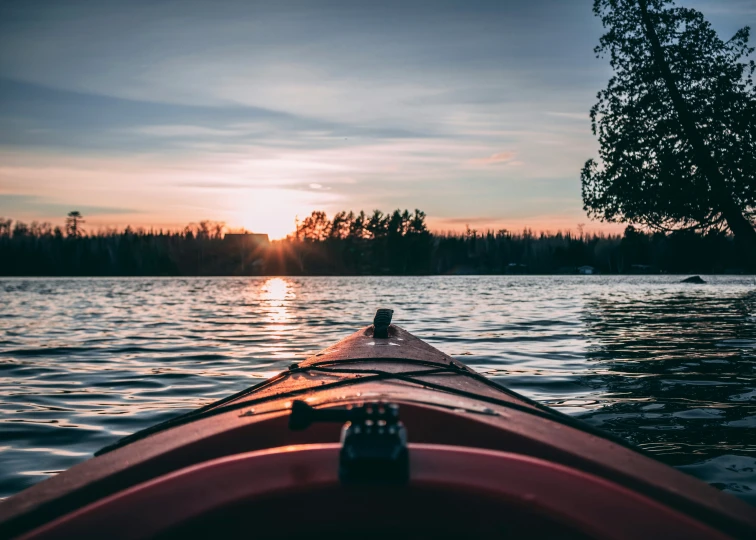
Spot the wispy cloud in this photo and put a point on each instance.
(497, 158)
(584, 116)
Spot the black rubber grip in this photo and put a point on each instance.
(381, 323)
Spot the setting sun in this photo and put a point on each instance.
(272, 211)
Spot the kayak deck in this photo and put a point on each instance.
(443, 402)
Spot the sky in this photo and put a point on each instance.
(161, 113)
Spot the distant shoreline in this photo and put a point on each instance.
(270, 276)
(402, 246)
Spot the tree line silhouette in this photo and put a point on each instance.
(395, 243)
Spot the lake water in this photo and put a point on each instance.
(668, 366)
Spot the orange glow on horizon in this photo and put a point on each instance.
(542, 224)
(271, 211)
(279, 224)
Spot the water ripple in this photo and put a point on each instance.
(668, 366)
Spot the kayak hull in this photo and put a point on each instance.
(536, 496)
(443, 404)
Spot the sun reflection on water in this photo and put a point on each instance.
(276, 295)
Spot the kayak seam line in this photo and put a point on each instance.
(374, 376)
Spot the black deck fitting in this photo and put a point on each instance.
(373, 440)
(381, 323)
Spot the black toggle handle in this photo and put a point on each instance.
(381, 323)
(303, 415)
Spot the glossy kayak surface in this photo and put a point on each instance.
(483, 461)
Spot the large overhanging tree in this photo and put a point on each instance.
(676, 123)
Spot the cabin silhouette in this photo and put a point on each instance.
(246, 239)
(250, 247)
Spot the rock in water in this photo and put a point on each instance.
(693, 279)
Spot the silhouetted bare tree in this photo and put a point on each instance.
(315, 227)
(73, 224)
